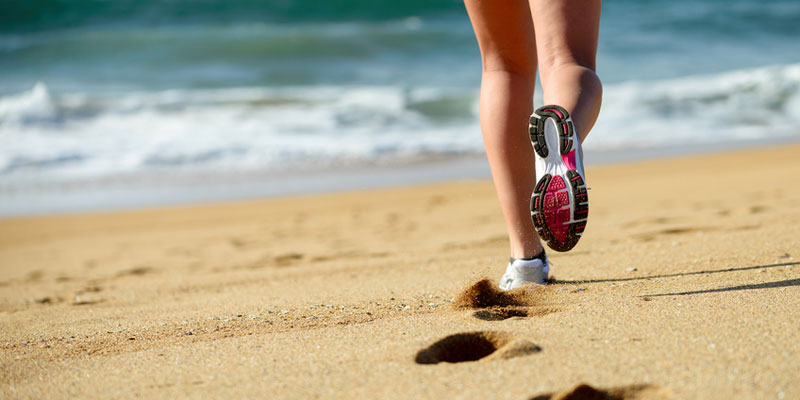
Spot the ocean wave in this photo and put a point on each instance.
(50, 14)
(101, 134)
(244, 128)
(254, 54)
(743, 104)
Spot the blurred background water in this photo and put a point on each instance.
(101, 90)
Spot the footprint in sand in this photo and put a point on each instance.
(494, 304)
(586, 392)
(288, 259)
(677, 231)
(138, 270)
(474, 346)
(490, 304)
(34, 276)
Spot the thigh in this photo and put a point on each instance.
(566, 32)
(505, 34)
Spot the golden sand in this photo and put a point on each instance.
(685, 285)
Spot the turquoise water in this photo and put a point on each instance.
(95, 89)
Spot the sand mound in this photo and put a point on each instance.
(586, 392)
(473, 346)
(484, 293)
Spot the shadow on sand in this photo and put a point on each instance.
(715, 271)
(765, 285)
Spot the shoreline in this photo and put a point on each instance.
(186, 189)
(686, 281)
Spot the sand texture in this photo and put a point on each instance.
(685, 285)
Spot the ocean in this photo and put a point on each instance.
(110, 93)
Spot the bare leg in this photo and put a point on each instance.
(566, 39)
(506, 39)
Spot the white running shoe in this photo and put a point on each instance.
(520, 271)
(559, 203)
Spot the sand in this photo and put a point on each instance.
(685, 285)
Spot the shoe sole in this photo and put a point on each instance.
(561, 189)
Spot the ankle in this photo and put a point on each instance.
(530, 251)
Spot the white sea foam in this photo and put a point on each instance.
(737, 105)
(68, 135)
(80, 134)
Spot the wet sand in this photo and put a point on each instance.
(685, 285)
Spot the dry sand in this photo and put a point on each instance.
(685, 285)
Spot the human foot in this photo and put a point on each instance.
(559, 204)
(525, 270)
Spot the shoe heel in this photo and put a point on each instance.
(561, 117)
(536, 132)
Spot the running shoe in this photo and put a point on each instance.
(521, 271)
(559, 204)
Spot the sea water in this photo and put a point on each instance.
(105, 91)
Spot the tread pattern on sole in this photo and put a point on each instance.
(580, 197)
(565, 132)
(550, 196)
(546, 211)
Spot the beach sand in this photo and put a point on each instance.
(686, 284)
